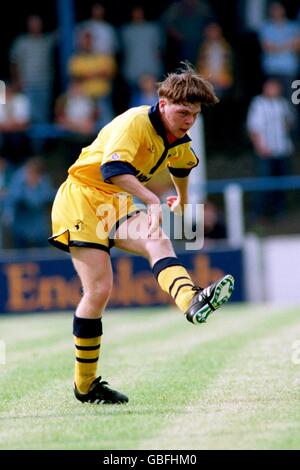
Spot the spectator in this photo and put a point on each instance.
(15, 116)
(142, 42)
(250, 15)
(95, 72)
(185, 21)
(5, 177)
(270, 120)
(146, 93)
(280, 42)
(215, 62)
(214, 225)
(76, 112)
(31, 66)
(104, 37)
(215, 59)
(27, 201)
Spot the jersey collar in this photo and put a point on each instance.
(156, 122)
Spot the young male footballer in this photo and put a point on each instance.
(93, 209)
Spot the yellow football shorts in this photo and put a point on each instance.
(84, 216)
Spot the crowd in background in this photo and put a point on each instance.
(113, 68)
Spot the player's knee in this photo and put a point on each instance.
(154, 247)
(99, 294)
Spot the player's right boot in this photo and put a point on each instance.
(99, 393)
(206, 301)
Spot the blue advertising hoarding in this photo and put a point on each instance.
(43, 283)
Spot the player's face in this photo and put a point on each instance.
(178, 118)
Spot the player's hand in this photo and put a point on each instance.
(175, 205)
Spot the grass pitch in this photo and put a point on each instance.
(228, 384)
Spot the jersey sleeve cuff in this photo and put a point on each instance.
(180, 172)
(110, 169)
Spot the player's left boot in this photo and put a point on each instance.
(99, 392)
(206, 301)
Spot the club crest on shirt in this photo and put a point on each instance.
(115, 156)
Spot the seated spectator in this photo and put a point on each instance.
(76, 112)
(26, 205)
(146, 93)
(95, 72)
(214, 225)
(5, 177)
(15, 117)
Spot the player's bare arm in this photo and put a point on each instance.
(131, 185)
(176, 203)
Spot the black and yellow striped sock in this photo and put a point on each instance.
(87, 337)
(174, 279)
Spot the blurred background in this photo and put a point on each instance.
(67, 67)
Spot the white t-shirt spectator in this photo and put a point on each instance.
(272, 119)
(16, 108)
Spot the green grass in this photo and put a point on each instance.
(228, 384)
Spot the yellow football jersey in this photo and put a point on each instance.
(135, 143)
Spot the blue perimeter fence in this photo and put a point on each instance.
(272, 183)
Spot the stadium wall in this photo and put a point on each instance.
(44, 281)
(281, 267)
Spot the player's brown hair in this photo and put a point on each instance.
(187, 86)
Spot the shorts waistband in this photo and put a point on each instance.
(71, 179)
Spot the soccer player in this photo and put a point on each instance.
(93, 209)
